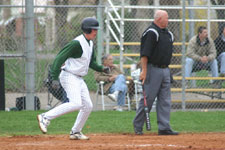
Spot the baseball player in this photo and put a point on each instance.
(69, 66)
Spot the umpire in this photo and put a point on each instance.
(156, 52)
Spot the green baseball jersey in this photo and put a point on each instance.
(76, 57)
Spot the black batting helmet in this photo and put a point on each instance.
(88, 24)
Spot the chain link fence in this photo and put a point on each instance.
(12, 48)
(58, 23)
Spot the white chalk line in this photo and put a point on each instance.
(156, 145)
(106, 144)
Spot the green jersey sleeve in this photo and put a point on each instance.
(94, 65)
(72, 49)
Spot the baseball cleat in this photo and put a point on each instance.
(43, 123)
(78, 136)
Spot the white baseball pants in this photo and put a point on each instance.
(79, 99)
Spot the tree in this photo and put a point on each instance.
(220, 13)
(6, 11)
(136, 28)
(141, 13)
(173, 14)
(61, 21)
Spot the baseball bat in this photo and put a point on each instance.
(148, 125)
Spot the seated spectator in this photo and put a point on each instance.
(115, 82)
(201, 51)
(220, 47)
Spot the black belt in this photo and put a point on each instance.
(160, 66)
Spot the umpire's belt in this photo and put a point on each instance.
(160, 66)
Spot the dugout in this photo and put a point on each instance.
(2, 85)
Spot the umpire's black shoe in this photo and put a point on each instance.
(167, 132)
(138, 132)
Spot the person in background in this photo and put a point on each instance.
(201, 51)
(114, 82)
(156, 53)
(220, 47)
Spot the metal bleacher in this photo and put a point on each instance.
(208, 91)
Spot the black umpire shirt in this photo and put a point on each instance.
(158, 48)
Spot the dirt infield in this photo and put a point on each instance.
(201, 141)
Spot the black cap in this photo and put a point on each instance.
(89, 23)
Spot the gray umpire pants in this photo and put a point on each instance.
(157, 84)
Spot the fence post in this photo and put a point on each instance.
(2, 85)
(122, 36)
(100, 32)
(30, 55)
(183, 55)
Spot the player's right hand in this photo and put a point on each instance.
(143, 76)
(55, 84)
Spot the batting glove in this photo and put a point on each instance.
(55, 84)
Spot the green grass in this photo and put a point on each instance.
(15, 75)
(25, 123)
